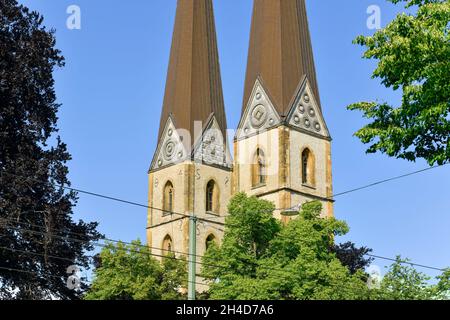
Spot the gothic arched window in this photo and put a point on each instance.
(259, 168)
(210, 240)
(308, 167)
(167, 246)
(212, 197)
(168, 198)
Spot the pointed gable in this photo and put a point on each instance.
(305, 113)
(212, 148)
(259, 115)
(170, 148)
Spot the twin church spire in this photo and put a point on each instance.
(280, 52)
(194, 85)
(281, 125)
(280, 55)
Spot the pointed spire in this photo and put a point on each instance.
(194, 87)
(280, 51)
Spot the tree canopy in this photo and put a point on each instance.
(413, 55)
(355, 259)
(35, 211)
(403, 282)
(130, 272)
(262, 259)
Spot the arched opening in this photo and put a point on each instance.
(212, 197)
(167, 246)
(259, 168)
(211, 239)
(308, 167)
(168, 198)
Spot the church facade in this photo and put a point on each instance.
(281, 147)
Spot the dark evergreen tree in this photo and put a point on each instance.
(35, 212)
(352, 257)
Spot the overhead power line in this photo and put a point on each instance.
(223, 224)
(40, 254)
(187, 254)
(97, 244)
(405, 262)
(88, 240)
(386, 180)
(52, 275)
(94, 194)
(28, 271)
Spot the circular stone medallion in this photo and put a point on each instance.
(169, 150)
(307, 123)
(301, 109)
(306, 98)
(317, 126)
(258, 116)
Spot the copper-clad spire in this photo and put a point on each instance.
(280, 51)
(194, 86)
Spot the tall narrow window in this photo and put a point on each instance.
(168, 198)
(212, 197)
(259, 168)
(261, 171)
(308, 168)
(305, 158)
(167, 246)
(209, 241)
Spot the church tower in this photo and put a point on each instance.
(282, 149)
(191, 168)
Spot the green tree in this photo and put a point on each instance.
(130, 272)
(355, 259)
(442, 289)
(403, 282)
(262, 259)
(413, 55)
(35, 212)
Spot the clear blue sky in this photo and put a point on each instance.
(112, 90)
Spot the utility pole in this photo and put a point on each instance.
(192, 257)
